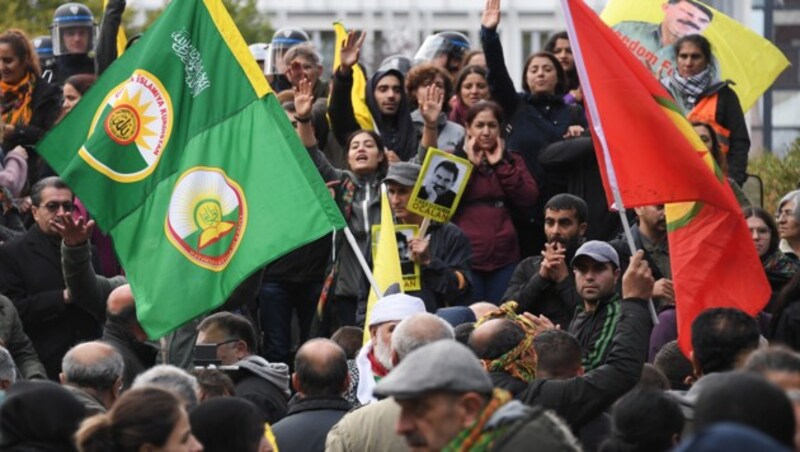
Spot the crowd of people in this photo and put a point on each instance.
(530, 328)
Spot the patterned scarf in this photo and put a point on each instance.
(520, 361)
(475, 438)
(691, 87)
(15, 101)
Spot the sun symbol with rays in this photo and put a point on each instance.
(127, 121)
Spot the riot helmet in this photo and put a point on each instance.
(44, 48)
(445, 49)
(73, 30)
(283, 40)
(400, 62)
(259, 51)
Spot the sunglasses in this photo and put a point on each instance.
(53, 206)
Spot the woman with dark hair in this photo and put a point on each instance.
(536, 117)
(357, 192)
(559, 45)
(470, 87)
(74, 88)
(779, 267)
(645, 419)
(710, 139)
(711, 101)
(499, 181)
(229, 424)
(29, 105)
(144, 419)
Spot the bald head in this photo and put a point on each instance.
(482, 308)
(320, 369)
(496, 337)
(120, 299)
(420, 329)
(93, 365)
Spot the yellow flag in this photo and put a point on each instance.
(386, 266)
(741, 55)
(358, 94)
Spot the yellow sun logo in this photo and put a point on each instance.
(128, 120)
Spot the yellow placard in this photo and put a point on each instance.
(442, 181)
(412, 280)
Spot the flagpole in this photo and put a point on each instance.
(597, 125)
(357, 251)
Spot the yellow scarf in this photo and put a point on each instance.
(15, 101)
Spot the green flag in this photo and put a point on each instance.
(182, 152)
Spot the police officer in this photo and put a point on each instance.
(283, 40)
(445, 49)
(73, 34)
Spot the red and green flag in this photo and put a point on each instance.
(182, 152)
(649, 154)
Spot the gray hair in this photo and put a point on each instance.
(171, 378)
(305, 50)
(99, 374)
(420, 329)
(793, 196)
(8, 370)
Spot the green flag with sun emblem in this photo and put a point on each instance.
(182, 152)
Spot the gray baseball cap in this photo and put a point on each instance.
(444, 365)
(404, 173)
(597, 250)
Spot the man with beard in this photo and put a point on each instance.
(650, 235)
(596, 269)
(374, 360)
(544, 285)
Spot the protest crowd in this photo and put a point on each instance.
(524, 319)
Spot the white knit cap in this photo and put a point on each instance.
(395, 307)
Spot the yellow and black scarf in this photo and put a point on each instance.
(15, 101)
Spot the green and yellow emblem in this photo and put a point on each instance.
(130, 129)
(207, 217)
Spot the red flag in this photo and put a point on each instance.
(649, 154)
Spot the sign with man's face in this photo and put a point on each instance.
(442, 181)
(411, 272)
(649, 28)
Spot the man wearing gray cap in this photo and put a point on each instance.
(596, 268)
(448, 403)
(443, 255)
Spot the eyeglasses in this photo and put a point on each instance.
(53, 206)
(229, 341)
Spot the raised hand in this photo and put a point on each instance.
(351, 49)
(303, 99)
(74, 232)
(473, 154)
(494, 155)
(431, 105)
(638, 279)
(491, 14)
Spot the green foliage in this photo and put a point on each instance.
(780, 175)
(34, 16)
(253, 25)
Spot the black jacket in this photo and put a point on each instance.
(576, 163)
(308, 422)
(265, 384)
(595, 330)
(557, 301)
(31, 276)
(450, 253)
(138, 356)
(578, 400)
(505, 381)
(730, 115)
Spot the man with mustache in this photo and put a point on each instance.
(652, 43)
(437, 188)
(544, 285)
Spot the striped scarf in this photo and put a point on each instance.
(691, 87)
(15, 101)
(475, 438)
(520, 361)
